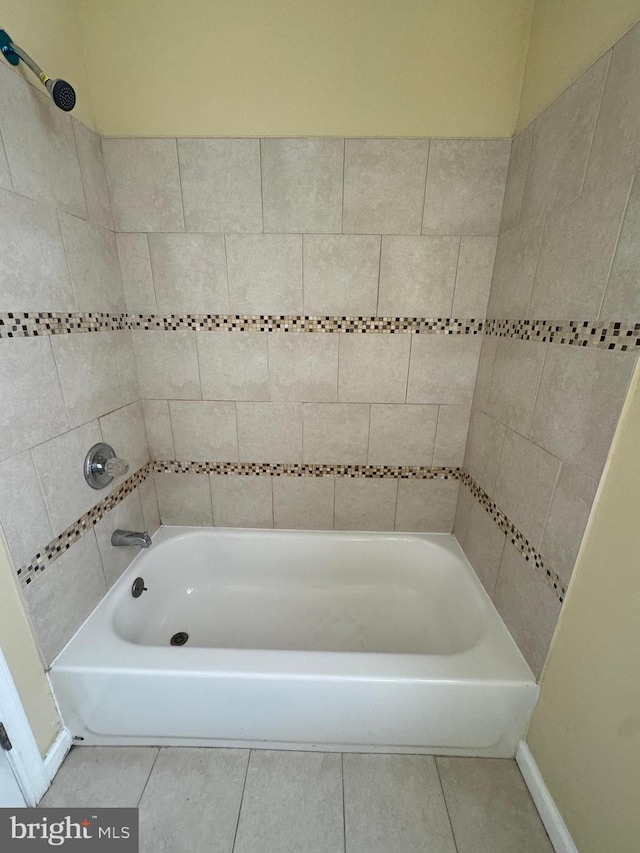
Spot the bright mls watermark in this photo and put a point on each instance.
(36, 830)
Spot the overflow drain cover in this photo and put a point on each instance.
(179, 639)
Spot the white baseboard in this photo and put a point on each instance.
(58, 752)
(549, 814)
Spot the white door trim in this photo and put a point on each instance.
(25, 759)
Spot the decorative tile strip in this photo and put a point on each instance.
(32, 324)
(309, 324)
(516, 538)
(270, 469)
(611, 335)
(56, 548)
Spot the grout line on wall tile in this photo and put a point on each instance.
(261, 187)
(545, 218)
(527, 431)
(344, 169)
(304, 303)
(406, 387)
(184, 222)
(426, 182)
(379, 277)
(597, 121)
(66, 258)
(344, 819)
(81, 170)
(455, 277)
(615, 250)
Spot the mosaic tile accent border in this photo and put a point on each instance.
(49, 554)
(581, 333)
(33, 324)
(611, 335)
(516, 538)
(29, 572)
(270, 469)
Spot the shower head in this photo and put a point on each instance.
(62, 93)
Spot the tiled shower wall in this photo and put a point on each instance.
(61, 393)
(544, 413)
(226, 245)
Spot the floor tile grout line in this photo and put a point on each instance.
(344, 818)
(149, 776)
(446, 804)
(244, 785)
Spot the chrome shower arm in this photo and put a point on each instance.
(24, 56)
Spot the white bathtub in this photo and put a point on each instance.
(332, 641)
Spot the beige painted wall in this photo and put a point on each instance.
(585, 734)
(48, 30)
(19, 648)
(302, 67)
(567, 36)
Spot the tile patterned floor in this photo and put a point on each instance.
(259, 801)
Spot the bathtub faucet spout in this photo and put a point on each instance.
(130, 537)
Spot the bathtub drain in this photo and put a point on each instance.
(179, 639)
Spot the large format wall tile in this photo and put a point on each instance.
(135, 268)
(241, 501)
(335, 433)
(303, 503)
(402, 435)
(144, 184)
(167, 365)
(126, 365)
(417, 276)
(516, 177)
(303, 367)
(484, 448)
(341, 274)
(269, 432)
(265, 273)
(515, 269)
(426, 505)
(158, 426)
(616, 143)
(94, 177)
(622, 297)
(579, 401)
(184, 499)
(465, 186)
(125, 431)
(189, 273)
(577, 251)
(33, 407)
(451, 435)
(526, 479)
(384, 185)
(302, 185)
(40, 146)
(88, 375)
(527, 605)
(93, 263)
(5, 174)
(59, 465)
(32, 262)
(204, 431)
(364, 504)
(233, 366)
(561, 144)
(567, 520)
(373, 368)
(23, 514)
(482, 541)
(65, 595)
(473, 276)
(443, 368)
(221, 184)
(516, 373)
(127, 515)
